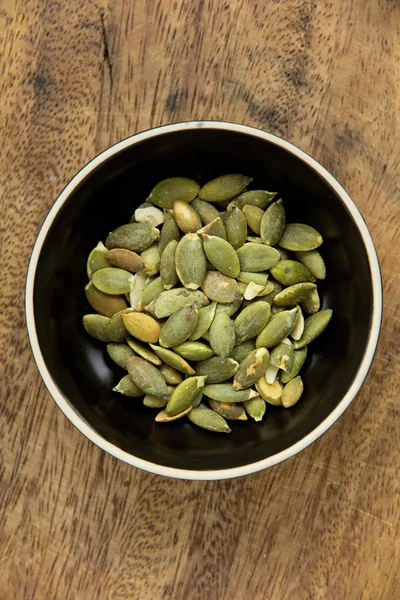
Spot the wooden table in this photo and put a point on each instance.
(78, 76)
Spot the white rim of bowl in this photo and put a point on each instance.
(158, 469)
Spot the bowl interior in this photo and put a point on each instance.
(105, 199)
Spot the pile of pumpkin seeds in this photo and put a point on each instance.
(203, 296)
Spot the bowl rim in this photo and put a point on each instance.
(83, 426)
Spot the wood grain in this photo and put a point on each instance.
(78, 76)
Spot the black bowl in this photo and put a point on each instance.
(76, 368)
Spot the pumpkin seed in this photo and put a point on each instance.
(140, 283)
(95, 326)
(232, 412)
(97, 260)
(251, 321)
(314, 263)
(134, 236)
(253, 290)
(171, 375)
(276, 288)
(251, 369)
(254, 239)
(171, 301)
(168, 272)
(178, 327)
(193, 351)
(204, 320)
(271, 393)
(282, 356)
(208, 419)
(186, 217)
(105, 304)
(217, 369)
(168, 191)
(313, 327)
(298, 361)
(115, 328)
(111, 280)
(126, 259)
(260, 198)
(300, 237)
(290, 272)
(298, 328)
(154, 401)
(150, 291)
(292, 392)
(119, 353)
(271, 373)
(277, 329)
(294, 294)
(277, 309)
(191, 261)
(257, 257)
(215, 228)
(253, 215)
(206, 211)
(162, 417)
(224, 187)
(151, 257)
(142, 327)
(222, 335)
(230, 308)
(242, 350)
(273, 224)
(173, 360)
(220, 287)
(127, 387)
(236, 227)
(312, 303)
(259, 278)
(149, 214)
(144, 352)
(225, 392)
(184, 394)
(168, 233)
(221, 255)
(147, 377)
(255, 408)
(284, 254)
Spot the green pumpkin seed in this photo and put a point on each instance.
(224, 187)
(147, 377)
(184, 394)
(298, 328)
(173, 360)
(253, 215)
(314, 263)
(206, 211)
(215, 228)
(312, 303)
(150, 291)
(313, 327)
(141, 280)
(259, 278)
(142, 327)
(144, 352)
(290, 272)
(149, 214)
(300, 237)
(171, 375)
(193, 351)
(242, 350)
(277, 329)
(271, 393)
(221, 255)
(134, 236)
(168, 272)
(294, 294)
(225, 392)
(277, 309)
(205, 318)
(282, 356)
(162, 417)
(251, 321)
(292, 392)
(127, 387)
(273, 224)
(236, 227)
(170, 301)
(97, 260)
(179, 327)
(232, 412)
(220, 288)
(126, 259)
(255, 408)
(298, 361)
(257, 257)
(168, 233)
(154, 401)
(217, 369)
(260, 198)
(115, 328)
(105, 304)
(113, 281)
(251, 369)
(95, 326)
(151, 257)
(186, 217)
(222, 335)
(229, 308)
(208, 419)
(276, 288)
(191, 261)
(168, 191)
(119, 353)
(284, 254)
(254, 239)
(253, 290)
